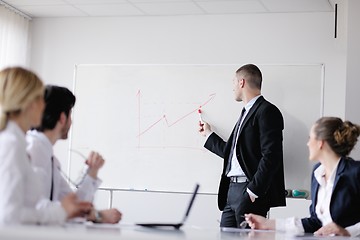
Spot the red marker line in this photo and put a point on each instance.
(152, 125)
(198, 110)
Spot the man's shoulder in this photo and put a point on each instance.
(264, 103)
(37, 139)
(33, 135)
(38, 147)
(264, 106)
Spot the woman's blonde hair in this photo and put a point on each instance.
(18, 88)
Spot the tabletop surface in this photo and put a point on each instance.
(91, 231)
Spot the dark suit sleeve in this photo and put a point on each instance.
(312, 223)
(270, 123)
(216, 144)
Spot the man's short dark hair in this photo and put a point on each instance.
(253, 73)
(57, 100)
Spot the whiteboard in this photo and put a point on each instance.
(143, 119)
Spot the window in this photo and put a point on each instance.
(14, 38)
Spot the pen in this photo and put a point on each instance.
(200, 117)
(199, 112)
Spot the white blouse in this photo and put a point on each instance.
(322, 207)
(21, 198)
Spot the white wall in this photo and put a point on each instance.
(295, 207)
(353, 67)
(60, 43)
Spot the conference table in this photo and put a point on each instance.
(91, 231)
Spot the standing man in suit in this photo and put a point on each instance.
(252, 179)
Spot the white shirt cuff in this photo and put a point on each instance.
(293, 225)
(95, 182)
(207, 135)
(251, 193)
(354, 230)
(62, 214)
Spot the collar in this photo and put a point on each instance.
(319, 174)
(40, 136)
(13, 127)
(251, 103)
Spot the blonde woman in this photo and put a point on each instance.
(335, 188)
(21, 107)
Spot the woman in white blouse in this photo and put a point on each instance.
(335, 188)
(21, 107)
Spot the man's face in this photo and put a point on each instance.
(237, 87)
(66, 128)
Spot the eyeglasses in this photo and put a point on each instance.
(244, 223)
(83, 173)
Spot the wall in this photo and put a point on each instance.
(60, 43)
(353, 70)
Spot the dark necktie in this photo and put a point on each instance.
(228, 167)
(52, 179)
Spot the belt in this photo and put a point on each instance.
(238, 179)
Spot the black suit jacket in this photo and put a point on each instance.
(259, 150)
(345, 198)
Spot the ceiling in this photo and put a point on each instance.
(102, 8)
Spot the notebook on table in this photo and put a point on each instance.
(178, 224)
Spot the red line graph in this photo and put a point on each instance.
(164, 118)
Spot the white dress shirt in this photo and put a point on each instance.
(21, 199)
(40, 151)
(236, 169)
(324, 194)
(354, 230)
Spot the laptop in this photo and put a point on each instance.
(174, 225)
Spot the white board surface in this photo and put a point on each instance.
(143, 119)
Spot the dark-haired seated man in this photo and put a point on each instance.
(55, 125)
